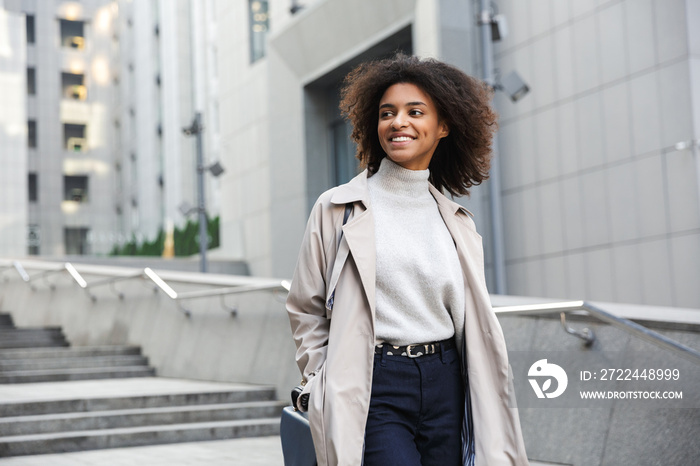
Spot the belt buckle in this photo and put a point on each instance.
(413, 356)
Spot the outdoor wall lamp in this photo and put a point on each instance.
(514, 86)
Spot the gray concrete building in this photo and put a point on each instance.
(107, 87)
(599, 161)
(68, 94)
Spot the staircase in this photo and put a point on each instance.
(44, 355)
(105, 397)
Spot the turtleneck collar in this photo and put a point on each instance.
(396, 179)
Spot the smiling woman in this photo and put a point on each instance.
(402, 358)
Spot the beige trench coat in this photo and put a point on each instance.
(335, 348)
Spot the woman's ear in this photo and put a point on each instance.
(444, 130)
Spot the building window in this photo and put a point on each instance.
(73, 86)
(76, 241)
(259, 25)
(72, 34)
(74, 138)
(75, 188)
(31, 134)
(30, 29)
(32, 185)
(33, 239)
(31, 81)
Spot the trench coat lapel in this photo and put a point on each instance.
(468, 243)
(358, 232)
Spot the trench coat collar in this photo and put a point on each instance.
(446, 205)
(354, 190)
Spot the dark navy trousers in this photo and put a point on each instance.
(416, 410)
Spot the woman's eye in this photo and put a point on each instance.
(384, 114)
(415, 112)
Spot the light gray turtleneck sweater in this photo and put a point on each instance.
(419, 279)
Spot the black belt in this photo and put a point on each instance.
(416, 350)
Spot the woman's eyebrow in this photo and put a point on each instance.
(408, 104)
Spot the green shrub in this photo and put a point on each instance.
(186, 241)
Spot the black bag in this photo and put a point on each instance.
(297, 444)
(295, 432)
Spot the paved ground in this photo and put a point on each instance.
(262, 451)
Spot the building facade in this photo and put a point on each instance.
(599, 163)
(67, 98)
(108, 87)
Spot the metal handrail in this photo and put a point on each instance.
(178, 297)
(618, 322)
(160, 284)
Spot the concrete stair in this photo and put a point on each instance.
(32, 337)
(105, 397)
(53, 426)
(29, 355)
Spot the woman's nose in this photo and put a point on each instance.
(399, 122)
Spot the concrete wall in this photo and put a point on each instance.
(618, 433)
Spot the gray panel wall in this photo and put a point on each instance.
(599, 203)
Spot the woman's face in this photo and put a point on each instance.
(409, 128)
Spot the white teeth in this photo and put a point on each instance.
(402, 139)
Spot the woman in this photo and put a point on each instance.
(403, 360)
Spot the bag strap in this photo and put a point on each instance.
(340, 257)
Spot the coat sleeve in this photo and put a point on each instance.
(306, 302)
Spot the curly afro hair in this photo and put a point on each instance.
(462, 159)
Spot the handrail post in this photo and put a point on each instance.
(586, 334)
